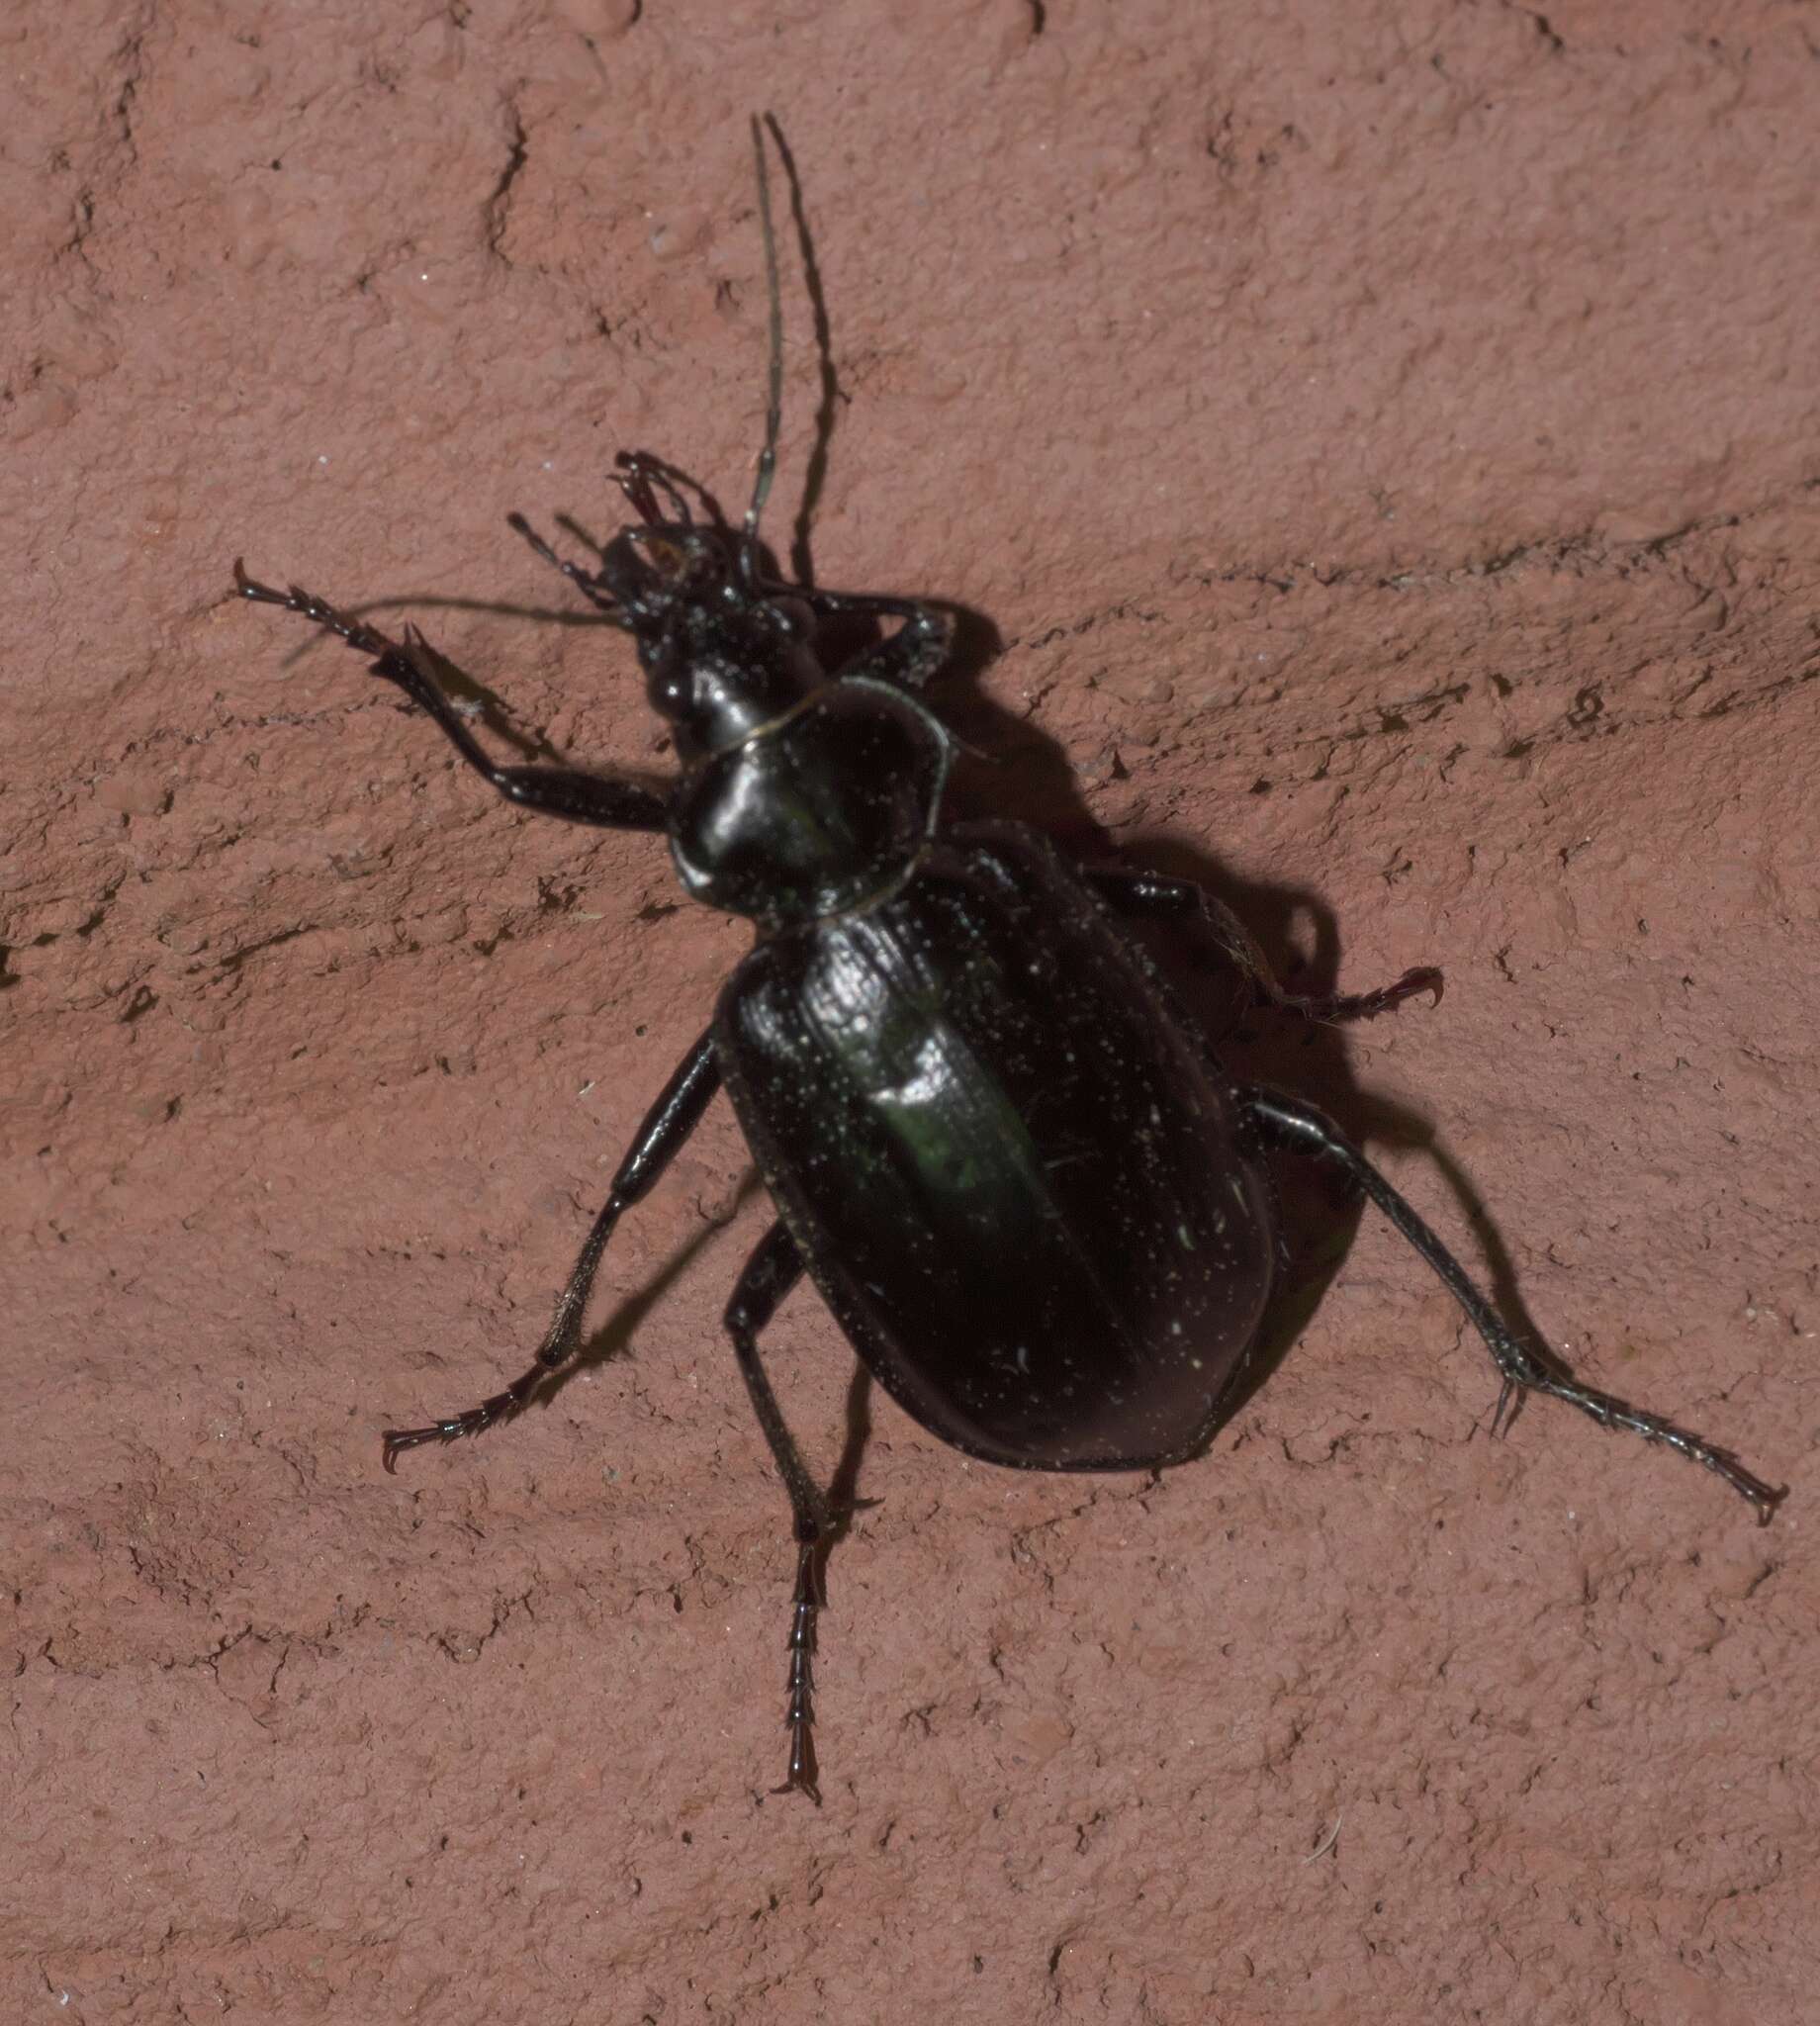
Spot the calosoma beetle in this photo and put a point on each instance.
(1033, 1197)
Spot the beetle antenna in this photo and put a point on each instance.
(773, 407)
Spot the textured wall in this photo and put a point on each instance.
(1385, 440)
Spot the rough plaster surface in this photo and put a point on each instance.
(1385, 440)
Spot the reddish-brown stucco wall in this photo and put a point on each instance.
(1385, 442)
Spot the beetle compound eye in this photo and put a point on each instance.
(671, 686)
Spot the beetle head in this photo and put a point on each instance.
(722, 658)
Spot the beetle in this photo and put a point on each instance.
(1034, 1199)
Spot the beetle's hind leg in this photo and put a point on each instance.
(667, 1124)
(1154, 896)
(1299, 1128)
(773, 1269)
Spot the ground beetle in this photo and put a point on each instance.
(1033, 1197)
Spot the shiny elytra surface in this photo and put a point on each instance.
(1016, 1180)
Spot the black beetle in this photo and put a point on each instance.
(1031, 1194)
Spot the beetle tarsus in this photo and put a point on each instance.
(799, 1713)
(362, 638)
(501, 1407)
(1337, 1006)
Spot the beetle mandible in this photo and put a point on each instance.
(1033, 1197)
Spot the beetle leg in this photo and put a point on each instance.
(1155, 896)
(909, 657)
(773, 1269)
(667, 1124)
(1299, 1128)
(410, 665)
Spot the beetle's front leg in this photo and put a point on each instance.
(1154, 896)
(1299, 1128)
(773, 1269)
(667, 1124)
(550, 791)
(910, 657)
